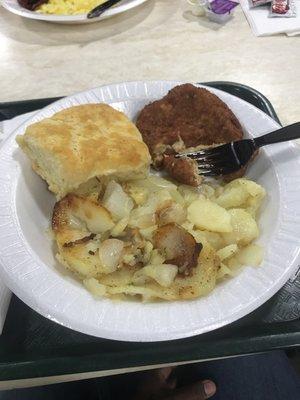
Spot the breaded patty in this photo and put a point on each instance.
(186, 117)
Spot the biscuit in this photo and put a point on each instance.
(83, 142)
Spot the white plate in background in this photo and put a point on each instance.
(29, 268)
(14, 7)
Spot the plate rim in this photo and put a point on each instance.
(179, 334)
(80, 18)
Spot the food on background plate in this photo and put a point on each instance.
(125, 232)
(187, 118)
(31, 4)
(61, 7)
(83, 142)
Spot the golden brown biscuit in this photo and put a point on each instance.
(82, 142)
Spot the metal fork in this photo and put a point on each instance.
(230, 157)
(97, 11)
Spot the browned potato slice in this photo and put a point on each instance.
(179, 247)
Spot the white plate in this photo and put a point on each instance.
(14, 7)
(27, 253)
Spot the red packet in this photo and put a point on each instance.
(283, 8)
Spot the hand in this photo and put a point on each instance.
(160, 385)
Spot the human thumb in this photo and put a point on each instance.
(196, 391)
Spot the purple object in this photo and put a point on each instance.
(222, 6)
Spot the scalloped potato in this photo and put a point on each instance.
(207, 215)
(152, 239)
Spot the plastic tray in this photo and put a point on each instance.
(32, 346)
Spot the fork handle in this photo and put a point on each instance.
(97, 11)
(284, 134)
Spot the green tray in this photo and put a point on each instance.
(33, 346)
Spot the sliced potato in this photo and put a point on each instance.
(233, 264)
(241, 193)
(207, 190)
(120, 226)
(147, 251)
(251, 255)
(253, 188)
(227, 251)
(147, 233)
(163, 274)
(91, 189)
(142, 218)
(110, 253)
(232, 197)
(156, 257)
(189, 193)
(223, 271)
(179, 247)
(151, 184)
(253, 204)
(173, 213)
(214, 239)
(209, 216)
(244, 227)
(122, 248)
(177, 197)
(96, 217)
(161, 183)
(93, 286)
(138, 193)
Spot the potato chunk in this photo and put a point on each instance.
(178, 246)
(227, 251)
(117, 201)
(241, 193)
(163, 274)
(251, 255)
(244, 228)
(87, 213)
(209, 216)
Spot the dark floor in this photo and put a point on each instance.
(268, 376)
(294, 357)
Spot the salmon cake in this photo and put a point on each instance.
(187, 117)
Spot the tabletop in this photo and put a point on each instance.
(160, 39)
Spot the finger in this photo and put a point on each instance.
(164, 373)
(171, 383)
(197, 391)
(154, 382)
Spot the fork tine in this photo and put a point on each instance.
(222, 160)
(225, 159)
(210, 151)
(209, 172)
(206, 156)
(216, 172)
(220, 168)
(201, 154)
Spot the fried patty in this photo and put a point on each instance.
(31, 4)
(186, 117)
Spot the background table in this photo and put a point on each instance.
(161, 39)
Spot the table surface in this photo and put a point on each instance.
(160, 39)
